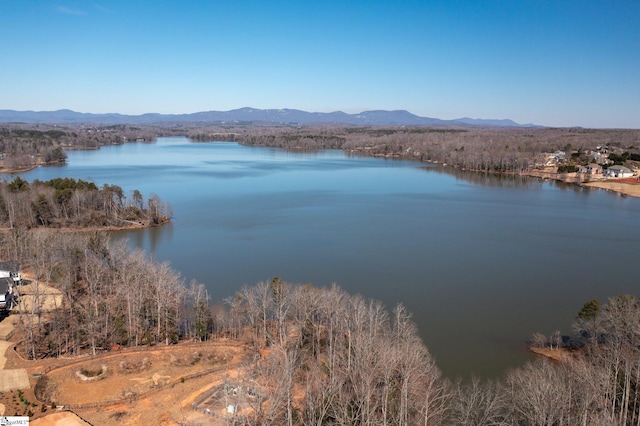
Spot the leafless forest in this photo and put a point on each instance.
(322, 356)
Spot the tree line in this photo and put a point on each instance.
(479, 149)
(70, 203)
(109, 295)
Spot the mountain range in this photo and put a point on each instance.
(249, 115)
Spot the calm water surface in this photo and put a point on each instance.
(482, 261)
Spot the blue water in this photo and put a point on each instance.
(482, 261)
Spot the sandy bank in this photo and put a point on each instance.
(620, 186)
(130, 226)
(629, 186)
(560, 354)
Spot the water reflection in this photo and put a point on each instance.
(150, 238)
(487, 179)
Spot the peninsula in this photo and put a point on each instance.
(66, 203)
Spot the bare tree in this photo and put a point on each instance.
(478, 403)
(539, 394)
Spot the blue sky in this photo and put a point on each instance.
(549, 62)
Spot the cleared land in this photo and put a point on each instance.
(152, 385)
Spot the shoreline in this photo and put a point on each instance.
(625, 187)
(25, 169)
(111, 228)
(558, 354)
(622, 188)
(19, 170)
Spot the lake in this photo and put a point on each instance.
(482, 261)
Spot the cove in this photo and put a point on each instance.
(481, 261)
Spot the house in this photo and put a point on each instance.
(552, 159)
(11, 270)
(618, 172)
(591, 169)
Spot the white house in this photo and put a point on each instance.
(618, 172)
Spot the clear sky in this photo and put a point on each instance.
(548, 62)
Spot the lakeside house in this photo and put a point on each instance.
(591, 169)
(551, 159)
(619, 172)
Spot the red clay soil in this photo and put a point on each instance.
(631, 180)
